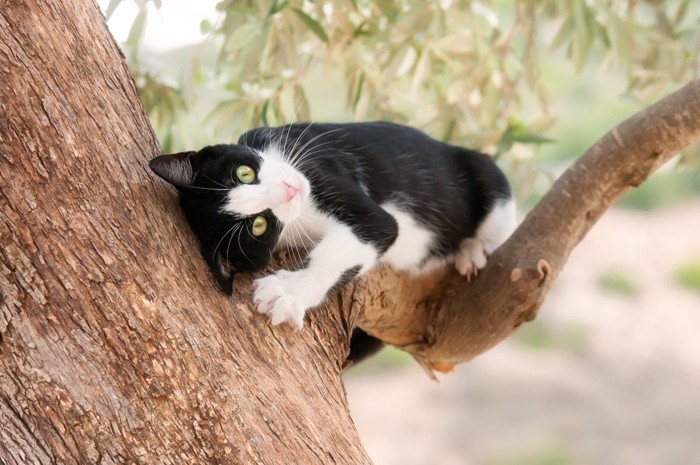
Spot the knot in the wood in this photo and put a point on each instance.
(544, 268)
(516, 274)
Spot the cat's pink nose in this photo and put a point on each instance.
(290, 191)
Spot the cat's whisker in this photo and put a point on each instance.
(296, 242)
(301, 150)
(242, 249)
(301, 161)
(300, 155)
(296, 142)
(206, 188)
(232, 231)
(216, 182)
(303, 244)
(300, 244)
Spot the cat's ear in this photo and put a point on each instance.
(220, 268)
(179, 169)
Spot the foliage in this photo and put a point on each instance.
(662, 189)
(389, 358)
(618, 281)
(459, 69)
(539, 453)
(688, 275)
(540, 336)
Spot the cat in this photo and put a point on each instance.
(353, 195)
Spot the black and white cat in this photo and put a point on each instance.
(353, 195)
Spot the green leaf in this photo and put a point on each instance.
(206, 26)
(688, 275)
(263, 114)
(113, 4)
(562, 35)
(681, 12)
(358, 90)
(136, 31)
(312, 24)
(276, 7)
(531, 139)
(583, 40)
(518, 132)
(390, 9)
(603, 34)
(303, 109)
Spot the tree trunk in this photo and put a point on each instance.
(115, 346)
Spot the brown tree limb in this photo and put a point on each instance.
(444, 320)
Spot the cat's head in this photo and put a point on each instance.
(236, 200)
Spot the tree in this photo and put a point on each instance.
(114, 348)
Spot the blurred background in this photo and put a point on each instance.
(609, 372)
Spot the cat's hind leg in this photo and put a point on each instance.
(496, 227)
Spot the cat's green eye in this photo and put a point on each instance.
(259, 225)
(245, 174)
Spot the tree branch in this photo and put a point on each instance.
(443, 319)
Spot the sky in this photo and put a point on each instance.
(174, 25)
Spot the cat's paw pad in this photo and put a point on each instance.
(471, 257)
(273, 298)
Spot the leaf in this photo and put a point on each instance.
(389, 8)
(313, 26)
(422, 71)
(358, 90)
(263, 112)
(276, 7)
(113, 4)
(581, 45)
(681, 13)
(303, 110)
(136, 31)
(206, 26)
(603, 34)
(531, 139)
(520, 133)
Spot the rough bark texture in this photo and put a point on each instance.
(115, 346)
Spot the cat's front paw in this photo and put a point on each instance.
(273, 296)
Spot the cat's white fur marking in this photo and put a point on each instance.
(306, 229)
(498, 225)
(411, 245)
(286, 295)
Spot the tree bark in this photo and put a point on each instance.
(115, 346)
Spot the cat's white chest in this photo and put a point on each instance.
(306, 230)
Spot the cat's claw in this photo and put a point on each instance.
(471, 257)
(273, 297)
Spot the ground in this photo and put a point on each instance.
(609, 373)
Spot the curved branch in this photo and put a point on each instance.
(444, 320)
